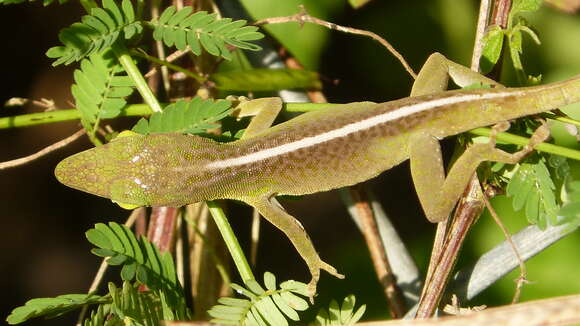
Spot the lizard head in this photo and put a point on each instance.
(135, 170)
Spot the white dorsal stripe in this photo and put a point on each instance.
(351, 128)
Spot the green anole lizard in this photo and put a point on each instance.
(320, 151)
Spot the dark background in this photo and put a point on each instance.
(42, 223)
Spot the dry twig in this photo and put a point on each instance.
(521, 280)
(44, 151)
(303, 17)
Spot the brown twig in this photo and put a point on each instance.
(303, 17)
(484, 7)
(44, 151)
(521, 280)
(255, 236)
(377, 251)
(170, 58)
(465, 215)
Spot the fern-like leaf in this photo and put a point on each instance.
(97, 32)
(52, 307)
(193, 117)
(270, 306)
(181, 28)
(343, 315)
(100, 89)
(141, 308)
(99, 316)
(140, 258)
(532, 188)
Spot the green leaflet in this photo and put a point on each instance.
(266, 80)
(202, 30)
(130, 304)
(141, 261)
(122, 247)
(193, 117)
(270, 306)
(493, 41)
(100, 89)
(340, 315)
(52, 307)
(96, 33)
(532, 189)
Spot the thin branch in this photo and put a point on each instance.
(44, 151)
(165, 63)
(160, 48)
(497, 262)
(378, 253)
(303, 17)
(522, 277)
(255, 237)
(479, 33)
(465, 216)
(170, 58)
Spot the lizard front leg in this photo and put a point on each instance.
(272, 211)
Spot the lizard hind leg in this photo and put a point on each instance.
(272, 211)
(438, 193)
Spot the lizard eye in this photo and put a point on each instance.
(129, 192)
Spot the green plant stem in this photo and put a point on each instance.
(31, 119)
(231, 241)
(169, 65)
(134, 110)
(522, 141)
(549, 115)
(127, 62)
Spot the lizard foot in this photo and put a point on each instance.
(315, 272)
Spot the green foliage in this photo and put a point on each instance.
(532, 188)
(271, 306)
(194, 117)
(97, 32)
(266, 80)
(52, 307)
(200, 29)
(139, 257)
(141, 260)
(344, 315)
(494, 39)
(129, 306)
(100, 89)
(570, 211)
